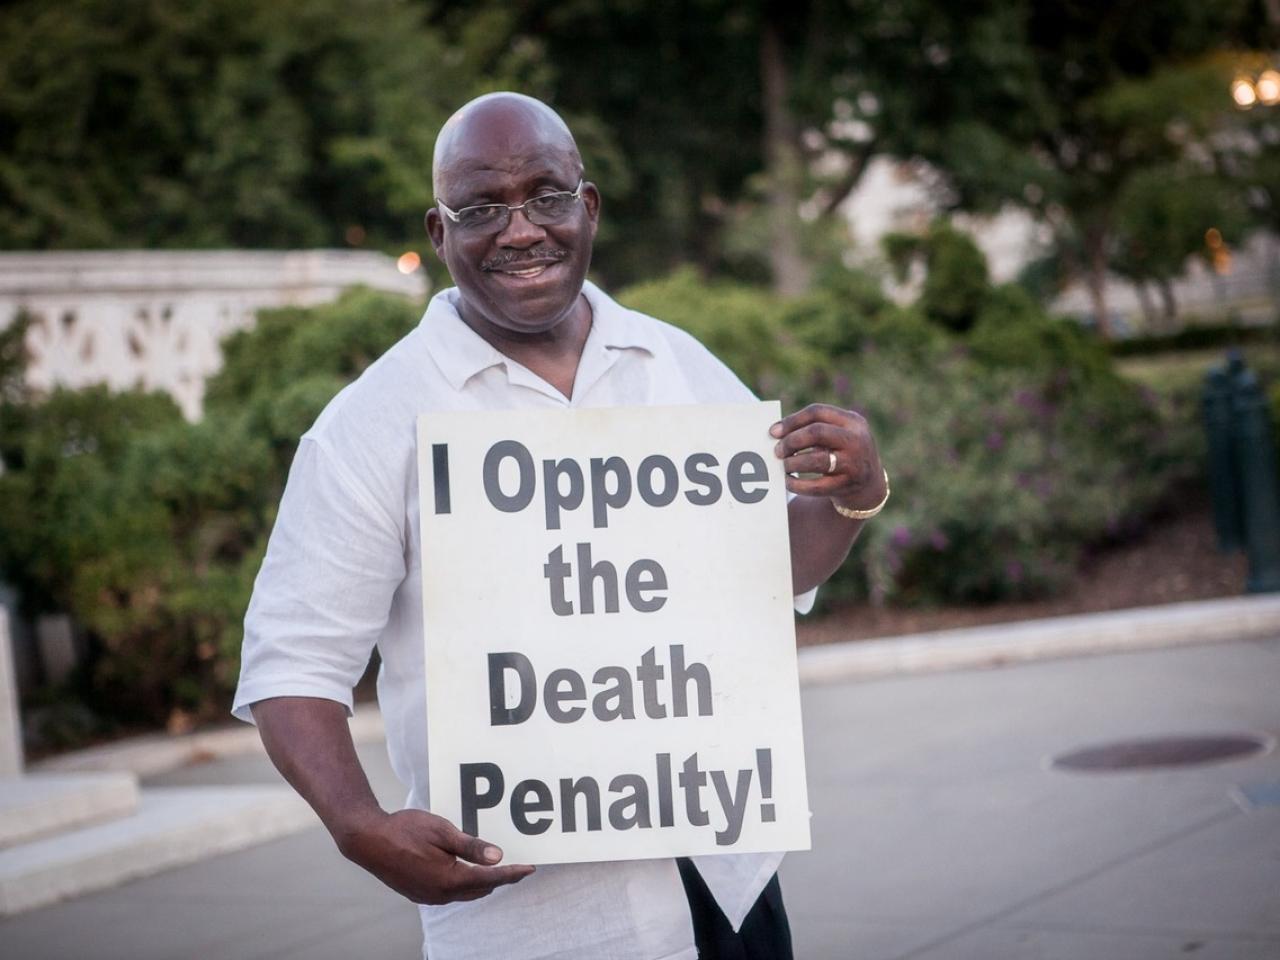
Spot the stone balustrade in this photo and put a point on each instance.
(154, 319)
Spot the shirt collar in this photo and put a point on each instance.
(461, 353)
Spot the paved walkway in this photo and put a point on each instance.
(940, 833)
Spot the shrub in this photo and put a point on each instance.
(956, 282)
(1011, 449)
(1014, 332)
(775, 344)
(740, 324)
(840, 320)
(291, 344)
(164, 570)
(999, 480)
(54, 451)
(150, 530)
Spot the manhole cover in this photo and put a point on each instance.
(1160, 752)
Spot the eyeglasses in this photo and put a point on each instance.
(546, 209)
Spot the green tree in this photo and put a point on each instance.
(720, 110)
(1165, 215)
(1055, 107)
(163, 123)
(669, 138)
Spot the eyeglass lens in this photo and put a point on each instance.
(545, 210)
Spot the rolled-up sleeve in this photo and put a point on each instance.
(323, 595)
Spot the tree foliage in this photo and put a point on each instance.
(1059, 108)
(723, 134)
(164, 123)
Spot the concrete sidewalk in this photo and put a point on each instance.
(940, 832)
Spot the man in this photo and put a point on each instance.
(514, 223)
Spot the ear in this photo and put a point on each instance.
(435, 230)
(591, 200)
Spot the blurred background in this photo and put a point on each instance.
(1015, 235)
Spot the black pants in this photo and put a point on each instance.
(764, 934)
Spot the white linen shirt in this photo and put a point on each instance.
(343, 573)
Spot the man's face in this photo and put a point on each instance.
(526, 278)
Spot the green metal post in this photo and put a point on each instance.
(1224, 471)
(1256, 454)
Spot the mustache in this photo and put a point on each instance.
(532, 255)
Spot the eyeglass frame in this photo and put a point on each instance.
(456, 215)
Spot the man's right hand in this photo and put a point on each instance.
(426, 858)
(417, 854)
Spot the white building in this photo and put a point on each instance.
(897, 196)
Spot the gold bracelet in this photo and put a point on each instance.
(865, 514)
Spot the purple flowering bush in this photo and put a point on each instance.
(1001, 478)
(1012, 448)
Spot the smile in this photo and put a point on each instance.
(523, 272)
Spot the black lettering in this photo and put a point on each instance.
(557, 570)
(693, 780)
(473, 801)
(570, 790)
(637, 582)
(666, 817)
(703, 479)
(764, 763)
(493, 487)
(522, 806)
(680, 677)
(637, 799)
(670, 480)
(733, 803)
(739, 476)
(500, 715)
(440, 475)
(649, 673)
(553, 696)
(621, 690)
(552, 496)
(588, 573)
(601, 499)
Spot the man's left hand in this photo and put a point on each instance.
(836, 444)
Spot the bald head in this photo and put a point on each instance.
(494, 130)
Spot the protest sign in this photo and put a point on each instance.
(610, 643)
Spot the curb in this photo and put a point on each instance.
(157, 753)
(169, 827)
(1121, 631)
(995, 645)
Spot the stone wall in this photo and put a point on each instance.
(155, 318)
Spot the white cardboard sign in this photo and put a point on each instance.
(610, 642)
